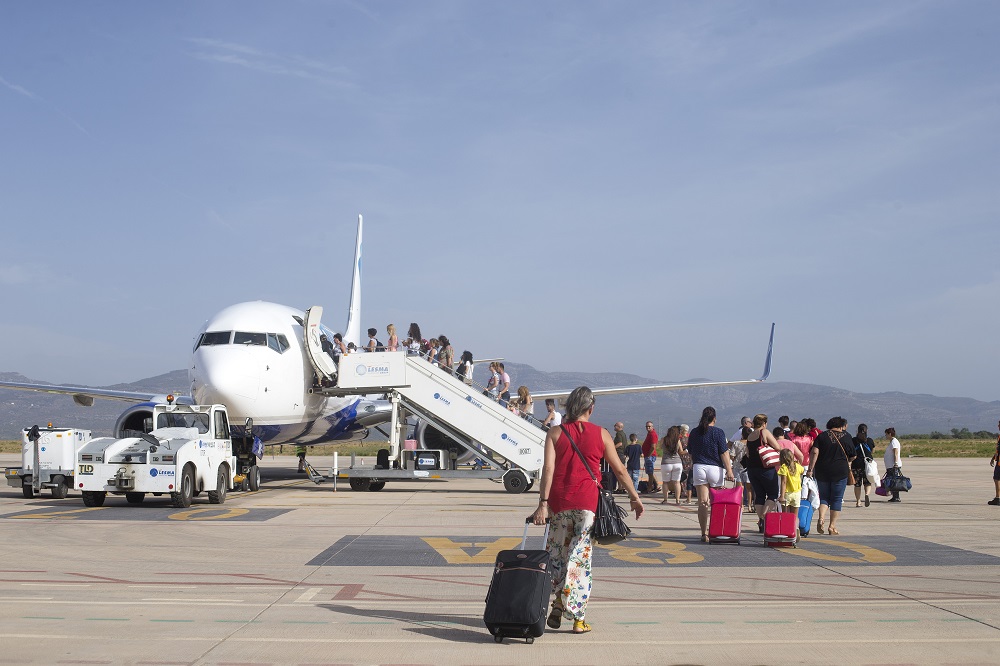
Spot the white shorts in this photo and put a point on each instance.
(708, 475)
(671, 471)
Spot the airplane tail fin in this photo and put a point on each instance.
(767, 361)
(352, 332)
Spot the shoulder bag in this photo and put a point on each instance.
(769, 458)
(609, 518)
(850, 472)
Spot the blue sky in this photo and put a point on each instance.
(640, 187)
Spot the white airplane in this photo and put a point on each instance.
(257, 358)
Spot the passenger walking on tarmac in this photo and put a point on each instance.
(863, 447)
(446, 354)
(710, 455)
(790, 484)
(553, 417)
(504, 384)
(687, 480)
(785, 443)
(649, 456)
(392, 342)
(995, 464)
(465, 366)
(621, 440)
(763, 479)
(830, 465)
(892, 459)
(800, 438)
(633, 460)
(568, 498)
(671, 466)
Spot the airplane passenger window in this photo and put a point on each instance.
(214, 338)
(243, 338)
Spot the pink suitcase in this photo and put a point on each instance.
(779, 529)
(726, 514)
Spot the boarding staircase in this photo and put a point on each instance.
(478, 422)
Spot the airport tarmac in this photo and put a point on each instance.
(299, 574)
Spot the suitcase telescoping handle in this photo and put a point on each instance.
(545, 537)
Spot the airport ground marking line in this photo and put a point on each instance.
(196, 600)
(908, 597)
(308, 595)
(56, 584)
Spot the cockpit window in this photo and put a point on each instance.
(214, 338)
(243, 338)
(277, 342)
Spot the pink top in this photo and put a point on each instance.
(572, 486)
(804, 443)
(796, 450)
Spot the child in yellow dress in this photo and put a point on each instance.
(790, 483)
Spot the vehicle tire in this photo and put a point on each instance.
(59, 491)
(27, 490)
(359, 484)
(531, 483)
(218, 496)
(376, 486)
(253, 475)
(94, 497)
(245, 484)
(515, 482)
(185, 489)
(135, 498)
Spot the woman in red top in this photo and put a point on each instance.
(568, 499)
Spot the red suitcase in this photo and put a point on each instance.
(726, 514)
(779, 529)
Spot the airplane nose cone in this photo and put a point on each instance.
(221, 378)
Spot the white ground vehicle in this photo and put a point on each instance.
(187, 452)
(55, 449)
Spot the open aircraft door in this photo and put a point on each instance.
(321, 362)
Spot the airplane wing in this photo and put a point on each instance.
(82, 395)
(620, 390)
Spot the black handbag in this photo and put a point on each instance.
(609, 518)
(896, 482)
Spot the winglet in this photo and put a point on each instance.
(767, 361)
(352, 332)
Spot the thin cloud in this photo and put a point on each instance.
(241, 55)
(18, 89)
(21, 90)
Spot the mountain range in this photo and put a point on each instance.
(908, 413)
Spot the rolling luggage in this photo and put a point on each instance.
(726, 514)
(779, 529)
(805, 518)
(518, 598)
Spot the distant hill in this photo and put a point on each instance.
(906, 412)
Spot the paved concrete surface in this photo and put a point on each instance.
(299, 574)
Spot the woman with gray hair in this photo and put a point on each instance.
(568, 499)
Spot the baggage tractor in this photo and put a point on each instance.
(779, 529)
(805, 518)
(726, 514)
(518, 598)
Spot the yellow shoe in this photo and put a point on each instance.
(580, 627)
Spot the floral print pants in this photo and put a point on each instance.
(570, 550)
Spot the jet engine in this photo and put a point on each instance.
(429, 437)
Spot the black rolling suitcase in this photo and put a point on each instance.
(518, 599)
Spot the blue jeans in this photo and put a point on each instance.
(635, 474)
(832, 493)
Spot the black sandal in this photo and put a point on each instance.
(555, 619)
